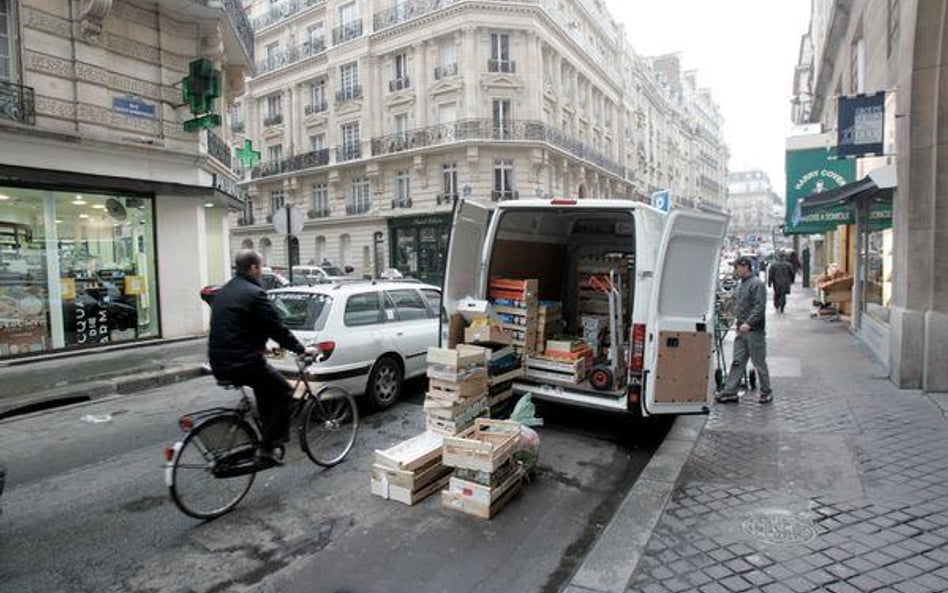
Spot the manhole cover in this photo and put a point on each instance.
(778, 527)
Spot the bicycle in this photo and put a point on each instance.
(211, 469)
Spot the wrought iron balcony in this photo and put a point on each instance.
(401, 203)
(218, 149)
(278, 11)
(349, 94)
(399, 84)
(245, 220)
(291, 55)
(348, 153)
(273, 120)
(315, 108)
(318, 213)
(17, 103)
(446, 198)
(501, 195)
(402, 11)
(445, 71)
(238, 17)
(306, 160)
(358, 206)
(347, 31)
(501, 66)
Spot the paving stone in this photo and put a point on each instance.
(735, 584)
(713, 588)
(865, 583)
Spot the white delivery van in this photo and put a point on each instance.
(665, 268)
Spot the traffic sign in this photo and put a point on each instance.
(289, 220)
(662, 199)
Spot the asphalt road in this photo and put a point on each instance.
(86, 509)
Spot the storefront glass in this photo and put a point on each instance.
(419, 246)
(877, 291)
(76, 270)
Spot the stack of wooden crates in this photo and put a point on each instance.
(457, 387)
(515, 304)
(486, 475)
(411, 470)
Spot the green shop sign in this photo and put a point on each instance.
(811, 171)
(199, 89)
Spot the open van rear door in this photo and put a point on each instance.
(679, 354)
(464, 267)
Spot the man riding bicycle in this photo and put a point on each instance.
(242, 320)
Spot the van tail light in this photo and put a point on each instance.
(326, 349)
(638, 348)
(562, 202)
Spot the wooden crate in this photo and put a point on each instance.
(413, 453)
(452, 427)
(405, 496)
(485, 446)
(489, 334)
(480, 501)
(412, 481)
(452, 374)
(573, 371)
(446, 390)
(462, 357)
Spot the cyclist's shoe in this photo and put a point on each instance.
(270, 457)
(766, 398)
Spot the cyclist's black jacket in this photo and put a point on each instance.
(242, 319)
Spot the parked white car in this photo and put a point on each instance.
(373, 334)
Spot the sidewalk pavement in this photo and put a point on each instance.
(80, 376)
(840, 484)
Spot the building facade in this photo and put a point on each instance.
(755, 209)
(374, 117)
(900, 295)
(112, 214)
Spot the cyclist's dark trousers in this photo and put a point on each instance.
(274, 400)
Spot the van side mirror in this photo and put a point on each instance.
(349, 269)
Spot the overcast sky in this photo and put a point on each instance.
(744, 51)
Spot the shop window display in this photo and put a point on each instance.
(76, 270)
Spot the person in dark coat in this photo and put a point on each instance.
(242, 320)
(796, 263)
(780, 277)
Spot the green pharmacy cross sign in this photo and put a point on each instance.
(199, 88)
(247, 155)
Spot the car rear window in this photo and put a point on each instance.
(301, 310)
(362, 309)
(409, 304)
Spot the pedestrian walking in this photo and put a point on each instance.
(750, 339)
(779, 278)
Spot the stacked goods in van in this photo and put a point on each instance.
(411, 470)
(563, 360)
(457, 387)
(515, 306)
(486, 475)
(505, 365)
(549, 322)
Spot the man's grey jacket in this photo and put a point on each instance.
(751, 303)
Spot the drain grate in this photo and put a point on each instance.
(779, 527)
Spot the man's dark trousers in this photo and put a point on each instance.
(274, 400)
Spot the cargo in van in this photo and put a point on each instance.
(617, 302)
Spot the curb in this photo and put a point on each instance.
(95, 390)
(609, 566)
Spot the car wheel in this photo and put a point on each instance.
(385, 383)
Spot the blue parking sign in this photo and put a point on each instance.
(662, 199)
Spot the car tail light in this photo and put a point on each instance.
(326, 349)
(638, 348)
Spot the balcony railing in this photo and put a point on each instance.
(278, 11)
(318, 213)
(237, 127)
(347, 31)
(358, 206)
(291, 55)
(348, 153)
(403, 11)
(238, 16)
(315, 108)
(501, 195)
(445, 71)
(349, 94)
(306, 160)
(446, 198)
(17, 103)
(399, 84)
(401, 203)
(273, 120)
(488, 130)
(218, 149)
(245, 220)
(501, 66)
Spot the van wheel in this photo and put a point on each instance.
(385, 383)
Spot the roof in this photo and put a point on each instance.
(355, 285)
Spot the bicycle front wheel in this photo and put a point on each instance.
(329, 425)
(214, 467)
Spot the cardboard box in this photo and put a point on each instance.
(491, 334)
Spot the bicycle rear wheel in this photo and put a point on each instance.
(214, 468)
(328, 426)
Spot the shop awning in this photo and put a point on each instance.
(877, 186)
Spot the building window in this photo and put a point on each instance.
(247, 213)
(447, 58)
(274, 114)
(273, 55)
(503, 180)
(500, 53)
(350, 141)
(401, 126)
(449, 183)
(351, 26)
(88, 280)
(320, 248)
(6, 43)
(315, 40)
(359, 200)
(276, 200)
(349, 82)
(317, 142)
(275, 153)
(857, 71)
(317, 97)
(401, 80)
(892, 33)
(402, 190)
(501, 119)
(320, 201)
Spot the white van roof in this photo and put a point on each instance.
(587, 203)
